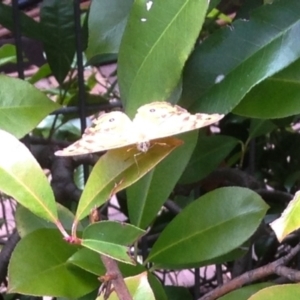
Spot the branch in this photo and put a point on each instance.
(117, 280)
(252, 276)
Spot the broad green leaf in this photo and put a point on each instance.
(22, 178)
(138, 287)
(27, 222)
(226, 66)
(146, 197)
(260, 127)
(275, 97)
(57, 17)
(113, 232)
(226, 216)
(22, 106)
(152, 52)
(278, 292)
(41, 259)
(289, 220)
(88, 260)
(107, 20)
(118, 169)
(245, 292)
(208, 155)
(7, 54)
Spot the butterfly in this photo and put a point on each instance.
(152, 121)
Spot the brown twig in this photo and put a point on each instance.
(117, 280)
(251, 276)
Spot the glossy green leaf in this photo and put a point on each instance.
(22, 107)
(118, 169)
(41, 259)
(146, 197)
(28, 222)
(138, 287)
(226, 66)
(275, 97)
(154, 37)
(22, 178)
(89, 261)
(107, 21)
(111, 250)
(7, 54)
(245, 292)
(57, 17)
(226, 216)
(260, 127)
(278, 292)
(106, 237)
(289, 220)
(113, 232)
(208, 155)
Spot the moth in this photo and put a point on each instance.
(152, 121)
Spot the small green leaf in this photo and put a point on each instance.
(138, 286)
(41, 259)
(148, 42)
(22, 178)
(289, 220)
(226, 216)
(118, 169)
(22, 107)
(112, 250)
(208, 155)
(7, 54)
(113, 232)
(278, 292)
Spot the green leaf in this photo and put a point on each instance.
(22, 107)
(178, 293)
(260, 127)
(266, 99)
(43, 72)
(224, 68)
(108, 237)
(118, 169)
(7, 54)
(57, 17)
(208, 154)
(28, 26)
(245, 292)
(226, 216)
(88, 260)
(22, 178)
(113, 232)
(278, 292)
(107, 20)
(138, 287)
(146, 197)
(154, 37)
(41, 259)
(289, 220)
(27, 222)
